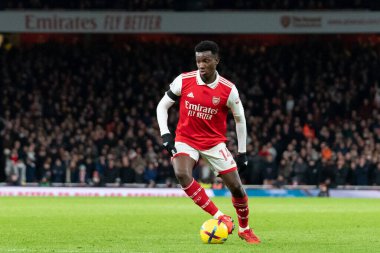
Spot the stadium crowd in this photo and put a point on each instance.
(191, 5)
(85, 114)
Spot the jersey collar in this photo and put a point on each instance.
(211, 85)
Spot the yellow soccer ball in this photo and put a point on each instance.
(213, 231)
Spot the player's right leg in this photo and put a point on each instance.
(183, 163)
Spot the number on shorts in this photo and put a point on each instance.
(225, 153)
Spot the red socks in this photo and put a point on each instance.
(242, 210)
(199, 196)
(196, 192)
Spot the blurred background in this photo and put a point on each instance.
(80, 81)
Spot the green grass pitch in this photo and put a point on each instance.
(142, 225)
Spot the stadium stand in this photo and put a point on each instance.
(191, 5)
(85, 113)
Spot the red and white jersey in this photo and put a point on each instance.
(203, 109)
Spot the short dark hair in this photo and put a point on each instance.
(207, 45)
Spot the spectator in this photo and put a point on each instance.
(341, 173)
(127, 174)
(30, 170)
(269, 169)
(150, 174)
(165, 173)
(58, 172)
(299, 172)
(377, 174)
(313, 172)
(100, 166)
(112, 170)
(361, 171)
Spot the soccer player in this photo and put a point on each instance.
(204, 99)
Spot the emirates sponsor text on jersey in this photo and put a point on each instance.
(202, 112)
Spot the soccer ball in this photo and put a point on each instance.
(213, 231)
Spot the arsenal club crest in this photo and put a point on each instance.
(285, 21)
(215, 100)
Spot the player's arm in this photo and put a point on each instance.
(163, 106)
(236, 106)
(162, 111)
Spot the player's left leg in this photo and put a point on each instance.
(240, 202)
(223, 165)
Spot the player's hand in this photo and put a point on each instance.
(242, 161)
(168, 143)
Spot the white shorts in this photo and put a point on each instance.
(219, 157)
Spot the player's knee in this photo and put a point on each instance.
(183, 177)
(237, 191)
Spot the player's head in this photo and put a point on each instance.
(207, 58)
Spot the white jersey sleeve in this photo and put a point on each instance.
(235, 105)
(237, 109)
(176, 86)
(165, 103)
(162, 113)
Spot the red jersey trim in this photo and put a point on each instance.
(189, 74)
(226, 82)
